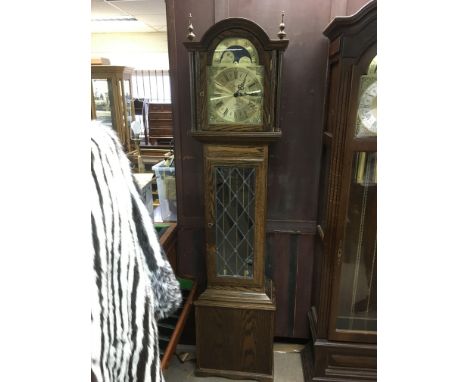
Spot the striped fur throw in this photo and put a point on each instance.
(133, 283)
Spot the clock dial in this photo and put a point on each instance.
(235, 95)
(235, 50)
(366, 124)
(367, 111)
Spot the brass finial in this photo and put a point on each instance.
(190, 34)
(282, 33)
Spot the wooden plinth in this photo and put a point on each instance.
(344, 362)
(235, 332)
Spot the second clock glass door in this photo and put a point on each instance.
(234, 220)
(357, 298)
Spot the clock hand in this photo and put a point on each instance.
(241, 86)
(219, 97)
(239, 93)
(225, 89)
(254, 93)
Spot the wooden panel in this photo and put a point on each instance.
(351, 360)
(289, 263)
(303, 292)
(344, 362)
(189, 242)
(235, 339)
(278, 248)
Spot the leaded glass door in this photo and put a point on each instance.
(235, 214)
(234, 221)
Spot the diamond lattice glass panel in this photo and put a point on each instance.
(235, 221)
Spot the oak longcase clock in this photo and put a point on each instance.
(235, 92)
(344, 317)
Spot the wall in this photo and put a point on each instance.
(137, 50)
(294, 162)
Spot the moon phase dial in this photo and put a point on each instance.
(235, 95)
(235, 51)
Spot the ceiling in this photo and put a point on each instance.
(112, 16)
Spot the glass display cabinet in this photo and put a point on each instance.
(235, 76)
(112, 100)
(344, 316)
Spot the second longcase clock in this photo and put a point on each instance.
(344, 316)
(235, 77)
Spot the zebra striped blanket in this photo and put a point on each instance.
(133, 283)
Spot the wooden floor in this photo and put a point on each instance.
(288, 366)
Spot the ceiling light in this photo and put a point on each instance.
(120, 18)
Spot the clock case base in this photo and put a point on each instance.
(337, 361)
(332, 361)
(233, 375)
(235, 330)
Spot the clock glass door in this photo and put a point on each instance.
(354, 310)
(357, 305)
(235, 212)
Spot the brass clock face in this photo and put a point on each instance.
(235, 95)
(235, 84)
(367, 110)
(366, 124)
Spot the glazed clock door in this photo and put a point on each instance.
(235, 214)
(354, 303)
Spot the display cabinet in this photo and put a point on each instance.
(344, 317)
(112, 99)
(235, 77)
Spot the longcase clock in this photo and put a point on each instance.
(344, 318)
(235, 92)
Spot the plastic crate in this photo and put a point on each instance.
(144, 181)
(166, 184)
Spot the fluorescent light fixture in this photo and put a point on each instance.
(120, 18)
(118, 24)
